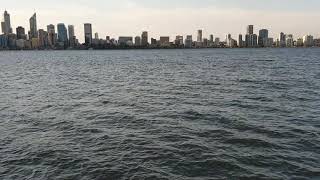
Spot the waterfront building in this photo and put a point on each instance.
(96, 35)
(6, 24)
(43, 38)
(268, 42)
(250, 29)
(34, 43)
(3, 41)
(154, 42)
(240, 41)
(289, 40)
(52, 36)
(144, 38)
(88, 34)
(251, 38)
(299, 42)
(282, 40)
(164, 41)
(263, 35)
(217, 42)
(137, 41)
(20, 44)
(21, 34)
(308, 41)
(188, 41)
(72, 37)
(316, 42)
(125, 41)
(199, 36)
(33, 33)
(178, 41)
(62, 34)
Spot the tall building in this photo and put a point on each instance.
(137, 41)
(199, 37)
(33, 33)
(144, 38)
(188, 42)
(6, 24)
(289, 40)
(240, 41)
(62, 34)
(164, 41)
(308, 41)
(88, 33)
(250, 29)
(43, 38)
(282, 39)
(72, 36)
(96, 35)
(263, 36)
(21, 33)
(52, 37)
(179, 40)
(251, 38)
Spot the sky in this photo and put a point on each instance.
(171, 17)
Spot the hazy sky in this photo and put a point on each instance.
(171, 17)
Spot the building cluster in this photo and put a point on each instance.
(63, 37)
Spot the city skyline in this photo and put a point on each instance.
(63, 36)
(163, 18)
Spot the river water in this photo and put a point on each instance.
(160, 114)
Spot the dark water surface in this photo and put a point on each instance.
(160, 114)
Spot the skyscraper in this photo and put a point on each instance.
(250, 29)
(62, 34)
(137, 41)
(199, 37)
(52, 37)
(6, 24)
(88, 33)
(282, 39)
(188, 41)
(251, 39)
(308, 41)
(240, 41)
(289, 40)
(71, 35)
(21, 34)
(263, 36)
(33, 33)
(144, 38)
(43, 38)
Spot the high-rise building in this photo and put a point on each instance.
(21, 33)
(308, 41)
(263, 35)
(199, 37)
(62, 34)
(179, 40)
(43, 38)
(188, 42)
(144, 38)
(250, 29)
(52, 37)
(289, 40)
(96, 35)
(6, 24)
(251, 38)
(164, 41)
(72, 36)
(282, 39)
(33, 33)
(88, 33)
(240, 41)
(211, 38)
(137, 41)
